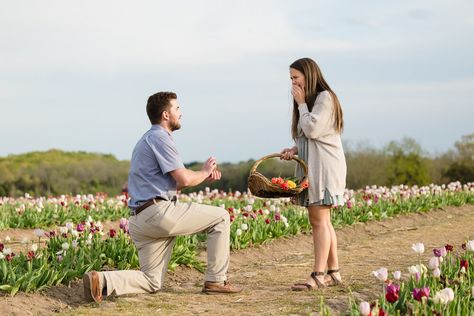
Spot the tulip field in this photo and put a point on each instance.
(442, 286)
(70, 239)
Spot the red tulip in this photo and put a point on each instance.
(10, 256)
(112, 233)
(392, 292)
(418, 294)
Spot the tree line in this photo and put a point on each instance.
(56, 172)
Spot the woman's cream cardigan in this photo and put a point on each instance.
(326, 161)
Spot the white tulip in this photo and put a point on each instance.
(39, 232)
(397, 275)
(364, 308)
(470, 245)
(65, 246)
(238, 232)
(34, 247)
(7, 251)
(63, 230)
(437, 273)
(381, 274)
(244, 227)
(419, 248)
(433, 263)
(7, 239)
(444, 296)
(2, 256)
(450, 293)
(69, 226)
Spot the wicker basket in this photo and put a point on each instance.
(260, 186)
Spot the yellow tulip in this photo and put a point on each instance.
(291, 184)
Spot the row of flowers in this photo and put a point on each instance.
(444, 285)
(66, 252)
(59, 256)
(364, 204)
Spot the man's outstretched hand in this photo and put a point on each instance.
(214, 176)
(210, 167)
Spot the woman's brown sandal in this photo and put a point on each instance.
(334, 281)
(307, 286)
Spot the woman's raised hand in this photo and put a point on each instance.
(298, 94)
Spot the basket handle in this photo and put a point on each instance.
(301, 162)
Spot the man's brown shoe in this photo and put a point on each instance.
(92, 287)
(220, 288)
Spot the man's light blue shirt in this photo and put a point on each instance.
(154, 156)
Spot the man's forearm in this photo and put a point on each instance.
(192, 178)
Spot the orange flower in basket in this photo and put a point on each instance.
(284, 186)
(278, 180)
(304, 184)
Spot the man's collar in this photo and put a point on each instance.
(159, 127)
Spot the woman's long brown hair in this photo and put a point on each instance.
(314, 84)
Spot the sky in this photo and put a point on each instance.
(75, 75)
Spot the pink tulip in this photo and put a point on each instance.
(419, 293)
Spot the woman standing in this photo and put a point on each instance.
(316, 128)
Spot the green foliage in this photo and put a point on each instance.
(365, 166)
(463, 167)
(56, 172)
(406, 164)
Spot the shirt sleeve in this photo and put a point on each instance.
(166, 154)
(317, 122)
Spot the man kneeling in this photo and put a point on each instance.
(156, 173)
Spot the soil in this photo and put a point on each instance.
(266, 272)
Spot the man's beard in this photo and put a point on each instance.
(175, 125)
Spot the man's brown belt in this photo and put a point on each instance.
(148, 203)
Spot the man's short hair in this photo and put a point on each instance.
(157, 104)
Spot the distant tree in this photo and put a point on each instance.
(406, 163)
(365, 165)
(462, 169)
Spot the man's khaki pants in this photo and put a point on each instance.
(154, 230)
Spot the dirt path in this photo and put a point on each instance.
(267, 272)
